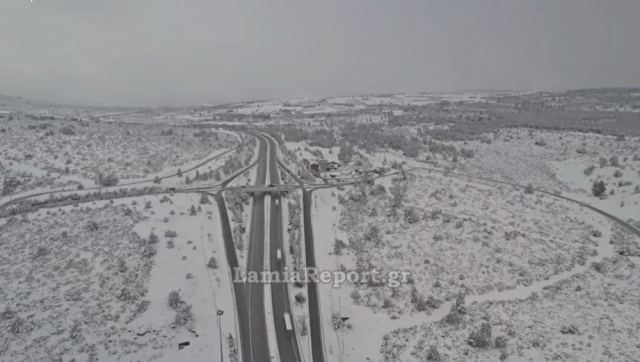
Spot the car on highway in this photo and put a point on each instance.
(287, 322)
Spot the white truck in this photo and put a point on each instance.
(287, 322)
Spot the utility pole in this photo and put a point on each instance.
(219, 314)
(100, 180)
(198, 180)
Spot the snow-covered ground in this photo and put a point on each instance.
(92, 283)
(183, 264)
(307, 106)
(71, 283)
(52, 154)
(496, 272)
(359, 339)
(591, 316)
(533, 242)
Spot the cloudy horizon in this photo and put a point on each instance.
(163, 52)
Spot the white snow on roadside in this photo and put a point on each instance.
(207, 290)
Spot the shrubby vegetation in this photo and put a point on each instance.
(236, 200)
(184, 316)
(599, 188)
(29, 205)
(95, 261)
(295, 231)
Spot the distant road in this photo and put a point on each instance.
(611, 217)
(132, 183)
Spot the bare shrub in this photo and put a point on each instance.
(454, 316)
(338, 245)
(7, 314)
(598, 188)
(92, 226)
(355, 295)
(570, 329)
(19, 326)
(480, 338)
(233, 349)
(433, 302)
(300, 298)
(204, 199)
(149, 251)
(421, 304)
(433, 354)
(410, 215)
(153, 238)
(603, 162)
(302, 323)
(41, 252)
(184, 316)
(336, 321)
(122, 266)
(589, 170)
(614, 161)
(174, 300)
(529, 189)
(75, 333)
(500, 342)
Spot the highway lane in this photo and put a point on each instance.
(249, 298)
(315, 321)
(232, 260)
(238, 288)
(258, 345)
(287, 342)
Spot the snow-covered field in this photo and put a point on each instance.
(498, 237)
(55, 153)
(496, 244)
(591, 316)
(72, 281)
(553, 159)
(93, 282)
(193, 264)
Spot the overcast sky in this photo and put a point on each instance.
(180, 52)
